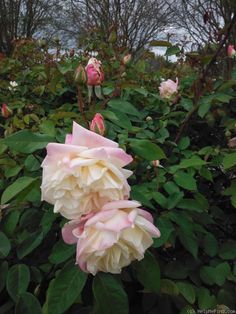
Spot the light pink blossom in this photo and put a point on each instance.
(83, 174)
(168, 88)
(112, 238)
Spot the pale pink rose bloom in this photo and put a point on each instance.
(111, 239)
(168, 88)
(83, 174)
(231, 51)
(97, 125)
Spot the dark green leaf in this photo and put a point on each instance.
(27, 142)
(61, 252)
(29, 244)
(15, 188)
(27, 304)
(124, 106)
(229, 161)
(148, 273)
(169, 287)
(187, 290)
(110, 297)
(147, 149)
(185, 181)
(5, 245)
(18, 279)
(64, 290)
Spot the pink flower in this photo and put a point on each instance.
(231, 51)
(111, 239)
(168, 88)
(97, 124)
(95, 74)
(6, 111)
(83, 174)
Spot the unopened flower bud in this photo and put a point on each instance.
(97, 125)
(6, 111)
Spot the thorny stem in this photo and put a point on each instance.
(199, 85)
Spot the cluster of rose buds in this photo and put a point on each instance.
(86, 182)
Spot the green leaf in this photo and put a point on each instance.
(27, 304)
(3, 275)
(5, 245)
(172, 51)
(118, 118)
(187, 310)
(210, 245)
(15, 188)
(166, 228)
(185, 181)
(147, 149)
(31, 163)
(148, 273)
(229, 161)
(107, 287)
(187, 290)
(215, 275)
(124, 106)
(29, 244)
(18, 279)
(204, 107)
(27, 142)
(189, 241)
(64, 290)
(61, 252)
(10, 222)
(194, 162)
(169, 287)
(228, 250)
(205, 300)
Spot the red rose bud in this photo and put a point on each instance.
(6, 111)
(97, 125)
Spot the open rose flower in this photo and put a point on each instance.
(168, 88)
(83, 174)
(111, 239)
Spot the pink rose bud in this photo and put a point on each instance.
(95, 75)
(97, 124)
(231, 51)
(6, 111)
(127, 58)
(168, 88)
(156, 163)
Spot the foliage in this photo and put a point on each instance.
(192, 194)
